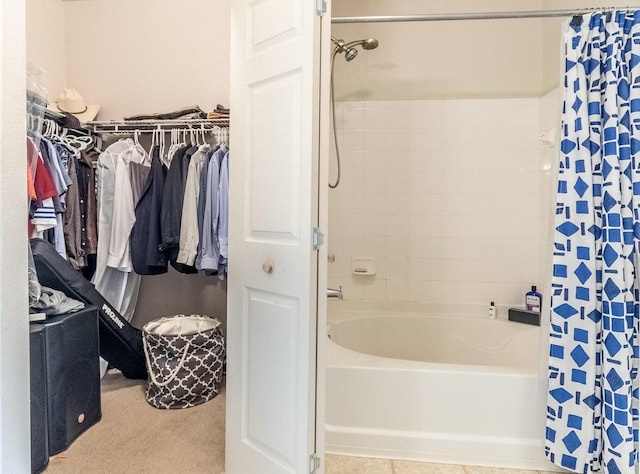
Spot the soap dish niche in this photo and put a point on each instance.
(363, 266)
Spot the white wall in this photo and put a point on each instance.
(446, 195)
(148, 55)
(452, 59)
(14, 341)
(45, 25)
(424, 60)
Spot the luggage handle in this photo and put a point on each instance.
(175, 372)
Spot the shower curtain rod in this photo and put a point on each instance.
(470, 16)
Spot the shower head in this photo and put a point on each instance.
(349, 49)
(350, 53)
(370, 43)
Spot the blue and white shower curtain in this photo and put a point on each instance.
(592, 412)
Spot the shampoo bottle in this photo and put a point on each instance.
(533, 300)
(492, 310)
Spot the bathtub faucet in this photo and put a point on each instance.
(333, 293)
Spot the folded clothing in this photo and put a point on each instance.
(53, 302)
(186, 113)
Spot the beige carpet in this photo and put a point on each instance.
(134, 437)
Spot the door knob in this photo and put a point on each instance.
(267, 266)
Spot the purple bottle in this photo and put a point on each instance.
(533, 300)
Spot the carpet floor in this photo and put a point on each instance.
(134, 437)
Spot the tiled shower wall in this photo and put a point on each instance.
(450, 197)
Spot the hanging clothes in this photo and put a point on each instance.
(202, 200)
(124, 217)
(147, 250)
(223, 217)
(43, 215)
(593, 402)
(119, 288)
(88, 210)
(172, 206)
(210, 247)
(189, 231)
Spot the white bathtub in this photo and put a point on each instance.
(444, 388)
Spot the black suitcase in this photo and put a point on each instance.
(72, 376)
(120, 342)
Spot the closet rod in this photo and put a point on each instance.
(470, 16)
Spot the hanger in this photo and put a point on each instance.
(154, 134)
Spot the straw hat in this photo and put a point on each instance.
(70, 101)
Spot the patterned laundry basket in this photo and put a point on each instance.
(185, 360)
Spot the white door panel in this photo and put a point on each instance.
(271, 316)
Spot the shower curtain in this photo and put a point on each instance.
(592, 412)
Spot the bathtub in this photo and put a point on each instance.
(440, 388)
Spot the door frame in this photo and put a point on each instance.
(15, 439)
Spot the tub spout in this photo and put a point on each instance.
(333, 293)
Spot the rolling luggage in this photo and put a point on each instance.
(120, 342)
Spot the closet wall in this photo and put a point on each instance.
(140, 57)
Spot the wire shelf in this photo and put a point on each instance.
(150, 126)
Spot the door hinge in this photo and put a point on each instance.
(318, 239)
(321, 7)
(314, 463)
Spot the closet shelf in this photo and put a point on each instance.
(149, 126)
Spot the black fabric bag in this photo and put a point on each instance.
(120, 342)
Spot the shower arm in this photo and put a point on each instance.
(340, 44)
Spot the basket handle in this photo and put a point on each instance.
(175, 372)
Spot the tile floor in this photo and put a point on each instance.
(353, 465)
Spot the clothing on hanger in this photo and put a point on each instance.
(147, 250)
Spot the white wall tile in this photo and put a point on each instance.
(397, 290)
(398, 226)
(352, 116)
(350, 160)
(340, 268)
(353, 203)
(375, 140)
(381, 267)
(375, 161)
(376, 291)
(419, 116)
(419, 291)
(376, 203)
(352, 181)
(374, 225)
(419, 227)
(418, 182)
(398, 204)
(351, 140)
(375, 116)
(418, 140)
(398, 181)
(452, 198)
(419, 160)
(375, 181)
(397, 268)
(397, 246)
(399, 116)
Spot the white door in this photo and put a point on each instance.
(272, 288)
